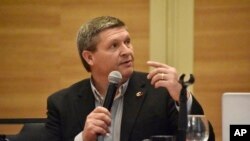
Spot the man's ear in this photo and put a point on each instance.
(87, 55)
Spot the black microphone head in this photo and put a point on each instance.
(115, 77)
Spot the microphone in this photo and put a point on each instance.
(114, 78)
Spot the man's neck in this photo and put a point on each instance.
(101, 84)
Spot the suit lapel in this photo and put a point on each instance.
(133, 100)
(84, 102)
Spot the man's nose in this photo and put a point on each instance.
(126, 49)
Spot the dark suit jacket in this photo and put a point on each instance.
(153, 113)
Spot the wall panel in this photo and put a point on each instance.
(38, 53)
(222, 47)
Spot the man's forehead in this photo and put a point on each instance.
(114, 32)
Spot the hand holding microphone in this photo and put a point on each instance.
(99, 120)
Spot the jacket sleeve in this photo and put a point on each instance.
(53, 124)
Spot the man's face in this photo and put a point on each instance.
(114, 52)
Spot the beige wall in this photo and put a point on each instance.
(38, 54)
(221, 53)
(171, 33)
(216, 50)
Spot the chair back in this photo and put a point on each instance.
(33, 129)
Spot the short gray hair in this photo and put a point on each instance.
(87, 38)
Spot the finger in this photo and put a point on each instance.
(157, 77)
(164, 77)
(99, 130)
(157, 64)
(94, 130)
(104, 117)
(99, 116)
(157, 71)
(160, 84)
(101, 109)
(102, 124)
(95, 125)
(102, 113)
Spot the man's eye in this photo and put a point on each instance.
(114, 46)
(127, 42)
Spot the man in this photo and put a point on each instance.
(145, 104)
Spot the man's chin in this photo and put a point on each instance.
(127, 73)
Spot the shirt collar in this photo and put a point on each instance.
(122, 89)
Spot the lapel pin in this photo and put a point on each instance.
(138, 94)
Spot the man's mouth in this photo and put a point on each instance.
(128, 62)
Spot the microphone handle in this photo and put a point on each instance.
(182, 119)
(110, 95)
